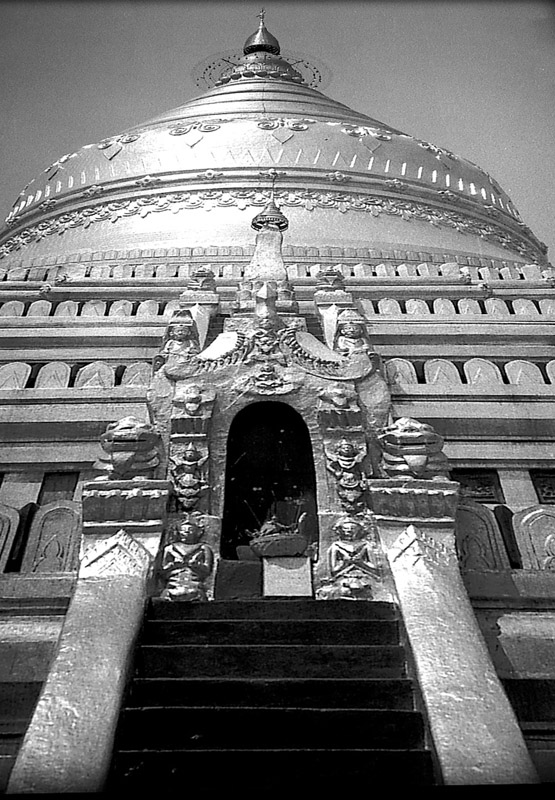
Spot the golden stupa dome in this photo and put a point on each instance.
(345, 179)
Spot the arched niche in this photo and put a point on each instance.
(269, 470)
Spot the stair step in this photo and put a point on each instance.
(7, 760)
(272, 609)
(13, 726)
(246, 631)
(325, 661)
(18, 698)
(533, 699)
(300, 693)
(269, 728)
(269, 770)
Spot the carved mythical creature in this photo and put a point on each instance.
(343, 460)
(186, 469)
(412, 449)
(186, 564)
(192, 408)
(202, 280)
(330, 280)
(344, 456)
(191, 397)
(132, 449)
(265, 343)
(339, 407)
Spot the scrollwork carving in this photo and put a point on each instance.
(358, 131)
(203, 126)
(281, 122)
(178, 201)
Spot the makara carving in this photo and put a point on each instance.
(131, 449)
(412, 449)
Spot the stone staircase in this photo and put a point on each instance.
(29, 630)
(271, 692)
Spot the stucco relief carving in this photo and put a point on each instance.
(351, 335)
(269, 380)
(309, 200)
(417, 499)
(268, 341)
(131, 449)
(479, 541)
(53, 539)
(414, 546)
(193, 404)
(187, 562)
(412, 449)
(188, 472)
(354, 561)
(181, 341)
(128, 500)
(339, 407)
(344, 460)
(121, 554)
(281, 122)
(360, 131)
(203, 126)
(9, 520)
(14, 375)
(534, 529)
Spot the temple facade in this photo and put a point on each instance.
(277, 438)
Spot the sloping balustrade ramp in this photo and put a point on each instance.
(278, 692)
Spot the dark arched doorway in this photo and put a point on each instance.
(269, 470)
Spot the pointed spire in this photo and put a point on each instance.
(262, 40)
(271, 215)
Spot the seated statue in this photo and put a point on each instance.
(274, 539)
(351, 335)
(180, 342)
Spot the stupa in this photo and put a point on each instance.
(277, 445)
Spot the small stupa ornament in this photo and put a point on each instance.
(267, 260)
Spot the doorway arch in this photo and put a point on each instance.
(269, 470)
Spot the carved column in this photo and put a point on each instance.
(474, 730)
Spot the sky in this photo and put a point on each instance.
(477, 78)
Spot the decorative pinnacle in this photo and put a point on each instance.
(262, 40)
(271, 214)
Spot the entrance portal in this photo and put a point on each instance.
(269, 471)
